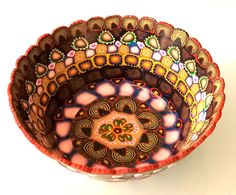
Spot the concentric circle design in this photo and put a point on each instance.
(151, 144)
(116, 94)
(81, 126)
(117, 128)
(92, 152)
(150, 120)
(99, 108)
(128, 157)
(126, 105)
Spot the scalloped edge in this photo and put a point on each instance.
(152, 167)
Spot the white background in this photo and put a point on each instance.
(211, 169)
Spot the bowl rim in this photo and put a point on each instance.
(123, 170)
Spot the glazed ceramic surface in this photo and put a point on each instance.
(117, 98)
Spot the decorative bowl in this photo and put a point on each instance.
(116, 98)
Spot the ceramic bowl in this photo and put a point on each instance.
(118, 97)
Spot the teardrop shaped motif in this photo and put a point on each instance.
(30, 87)
(190, 67)
(25, 105)
(174, 53)
(106, 37)
(208, 100)
(80, 43)
(152, 42)
(203, 83)
(128, 37)
(40, 70)
(56, 56)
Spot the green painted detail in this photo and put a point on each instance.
(190, 67)
(128, 38)
(106, 37)
(208, 100)
(152, 42)
(174, 53)
(203, 83)
(119, 129)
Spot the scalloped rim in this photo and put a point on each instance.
(122, 170)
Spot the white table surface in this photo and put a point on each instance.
(211, 169)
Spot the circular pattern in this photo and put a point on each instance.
(98, 109)
(81, 126)
(113, 123)
(89, 148)
(129, 156)
(152, 142)
(149, 120)
(154, 88)
(126, 105)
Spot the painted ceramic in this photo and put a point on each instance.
(117, 97)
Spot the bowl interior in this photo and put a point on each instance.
(118, 93)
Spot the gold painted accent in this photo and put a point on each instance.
(60, 67)
(183, 74)
(123, 49)
(167, 61)
(79, 56)
(101, 49)
(146, 52)
(194, 88)
(200, 106)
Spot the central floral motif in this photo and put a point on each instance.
(119, 129)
